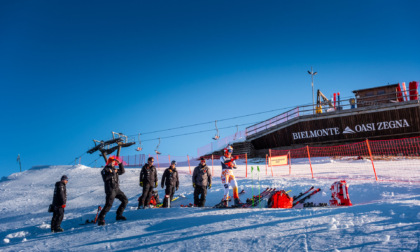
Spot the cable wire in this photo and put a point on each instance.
(221, 120)
(196, 132)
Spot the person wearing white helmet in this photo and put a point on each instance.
(228, 178)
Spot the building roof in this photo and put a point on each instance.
(373, 88)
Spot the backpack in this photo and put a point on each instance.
(340, 194)
(153, 201)
(280, 199)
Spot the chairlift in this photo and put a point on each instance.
(217, 136)
(236, 133)
(157, 148)
(139, 148)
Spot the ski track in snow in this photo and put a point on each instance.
(385, 216)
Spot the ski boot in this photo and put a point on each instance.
(120, 217)
(58, 230)
(238, 203)
(101, 222)
(225, 203)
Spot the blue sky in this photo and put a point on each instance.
(74, 71)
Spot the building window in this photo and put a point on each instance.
(380, 92)
(369, 93)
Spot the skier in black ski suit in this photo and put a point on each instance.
(148, 180)
(171, 180)
(59, 203)
(112, 189)
(201, 180)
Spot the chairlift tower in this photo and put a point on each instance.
(118, 141)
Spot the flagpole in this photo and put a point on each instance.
(20, 165)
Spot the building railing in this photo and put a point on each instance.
(305, 110)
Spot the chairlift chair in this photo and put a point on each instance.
(217, 136)
(139, 148)
(236, 133)
(157, 148)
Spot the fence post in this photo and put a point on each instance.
(246, 165)
(309, 157)
(189, 167)
(271, 166)
(371, 159)
(266, 165)
(169, 158)
(290, 164)
(212, 168)
(157, 157)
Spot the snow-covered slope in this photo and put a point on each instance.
(385, 216)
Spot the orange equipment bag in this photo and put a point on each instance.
(153, 201)
(281, 200)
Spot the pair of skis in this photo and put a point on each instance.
(302, 197)
(256, 200)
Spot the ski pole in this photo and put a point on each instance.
(252, 184)
(259, 183)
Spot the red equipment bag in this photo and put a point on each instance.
(153, 201)
(340, 194)
(281, 200)
(413, 87)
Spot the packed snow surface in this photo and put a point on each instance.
(385, 215)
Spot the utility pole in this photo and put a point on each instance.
(18, 160)
(312, 73)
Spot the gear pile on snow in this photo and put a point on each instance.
(280, 199)
(340, 194)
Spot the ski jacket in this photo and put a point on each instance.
(110, 178)
(60, 194)
(148, 174)
(228, 163)
(170, 177)
(201, 175)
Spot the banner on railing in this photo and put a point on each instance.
(278, 160)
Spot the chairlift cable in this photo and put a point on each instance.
(221, 120)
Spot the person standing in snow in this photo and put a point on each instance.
(148, 180)
(170, 179)
(201, 180)
(228, 164)
(59, 203)
(112, 189)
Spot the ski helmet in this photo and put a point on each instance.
(112, 158)
(228, 149)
